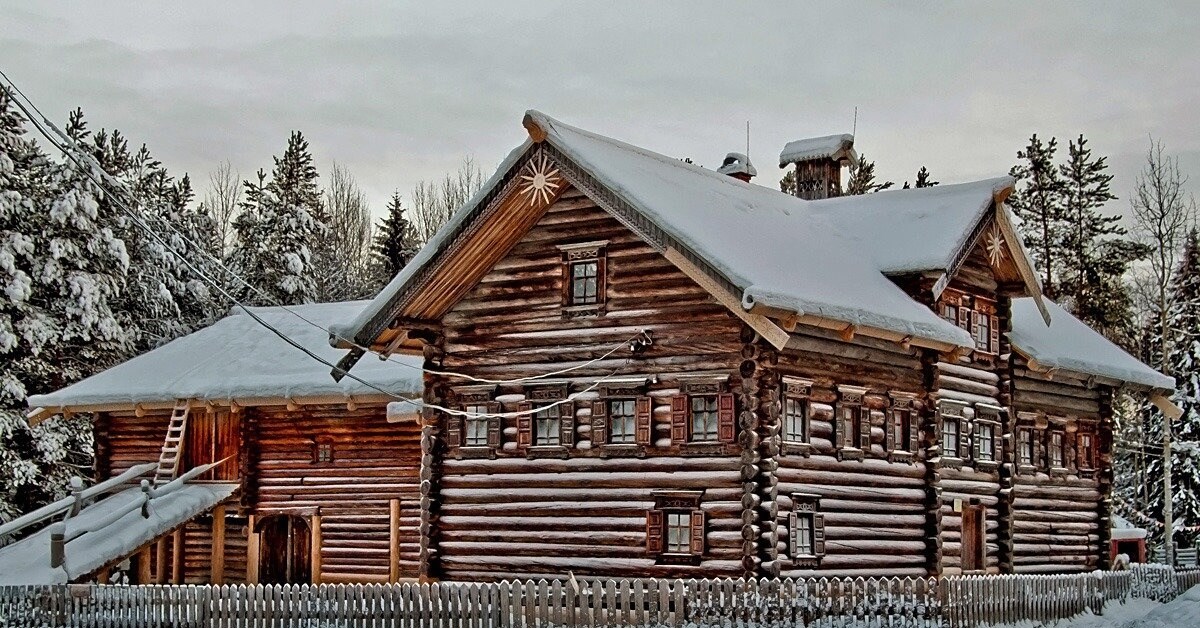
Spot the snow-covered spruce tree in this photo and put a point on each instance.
(924, 180)
(862, 178)
(1038, 202)
(1184, 364)
(1094, 252)
(279, 227)
(395, 243)
(787, 184)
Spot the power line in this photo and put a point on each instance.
(92, 166)
(121, 186)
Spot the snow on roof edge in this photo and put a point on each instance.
(816, 148)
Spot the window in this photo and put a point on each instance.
(547, 426)
(1056, 449)
(900, 430)
(1085, 450)
(950, 436)
(795, 419)
(476, 424)
(983, 332)
(704, 418)
(985, 442)
(848, 419)
(975, 314)
(323, 452)
(583, 277)
(675, 528)
(950, 313)
(1025, 446)
(806, 530)
(622, 417)
(852, 424)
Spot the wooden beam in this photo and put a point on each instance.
(536, 132)
(177, 550)
(1168, 408)
(217, 561)
(252, 550)
(1024, 268)
(160, 561)
(394, 540)
(315, 547)
(847, 333)
(766, 328)
(143, 565)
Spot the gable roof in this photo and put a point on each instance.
(238, 359)
(1069, 345)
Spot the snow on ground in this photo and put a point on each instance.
(1182, 612)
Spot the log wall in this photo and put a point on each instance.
(584, 509)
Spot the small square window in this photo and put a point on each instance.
(547, 422)
(795, 420)
(585, 289)
(950, 436)
(704, 417)
(476, 425)
(323, 452)
(622, 421)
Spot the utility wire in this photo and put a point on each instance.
(91, 166)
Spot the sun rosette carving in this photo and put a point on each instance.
(994, 245)
(540, 180)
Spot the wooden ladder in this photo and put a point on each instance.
(168, 460)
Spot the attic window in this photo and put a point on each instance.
(583, 276)
(976, 315)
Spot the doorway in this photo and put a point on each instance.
(284, 550)
(974, 530)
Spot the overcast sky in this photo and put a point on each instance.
(400, 92)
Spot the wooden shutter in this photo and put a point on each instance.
(964, 438)
(654, 531)
(864, 428)
(566, 279)
(644, 414)
(793, 526)
(599, 422)
(977, 441)
(454, 431)
(494, 424)
(600, 277)
(679, 419)
(697, 544)
(964, 318)
(994, 326)
(914, 432)
(524, 424)
(839, 426)
(818, 534)
(726, 418)
(890, 427)
(566, 423)
(975, 318)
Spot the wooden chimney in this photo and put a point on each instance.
(819, 162)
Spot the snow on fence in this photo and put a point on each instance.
(963, 602)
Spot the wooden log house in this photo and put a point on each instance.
(634, 366)
(691, 375)
(328, 486)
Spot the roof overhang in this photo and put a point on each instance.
(41, 413)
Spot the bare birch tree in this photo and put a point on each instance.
(221, 201)
(344, 264)
(433, 202)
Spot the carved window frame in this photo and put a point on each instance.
(682, 419)
(681, 504)
(952, 413)
(1087, 458)
(537, 399)
(806, 510)
(973, 313)
(1056, 450)
(902, 436)
(852, 423)
(584, 253)
(473, 399)
(799, 393)
(987, 421)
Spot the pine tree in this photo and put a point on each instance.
(395, 243)
(1038, 202)
(862, 178)
(1184, 365)
(279, 228)
(923, 180)
(1094, 255)
(787, 184)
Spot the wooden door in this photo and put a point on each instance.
(213, 436)
(974, 549)
(284, 551)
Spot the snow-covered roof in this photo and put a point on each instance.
(737, 163)
(1122, 529)
(238, 359)
(816, 148)
(1070, 345)
(28, 561)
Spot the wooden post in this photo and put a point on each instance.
(394, 540)
(252, 551)
(315, 527)
(177, 556)
(217, 562)
(102, 576)
(143, 565)
(160, 561)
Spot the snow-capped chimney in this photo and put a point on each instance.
(819, 162)
(738, 166)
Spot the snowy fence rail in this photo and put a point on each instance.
(963, 602)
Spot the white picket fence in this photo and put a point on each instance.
(835, 603)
